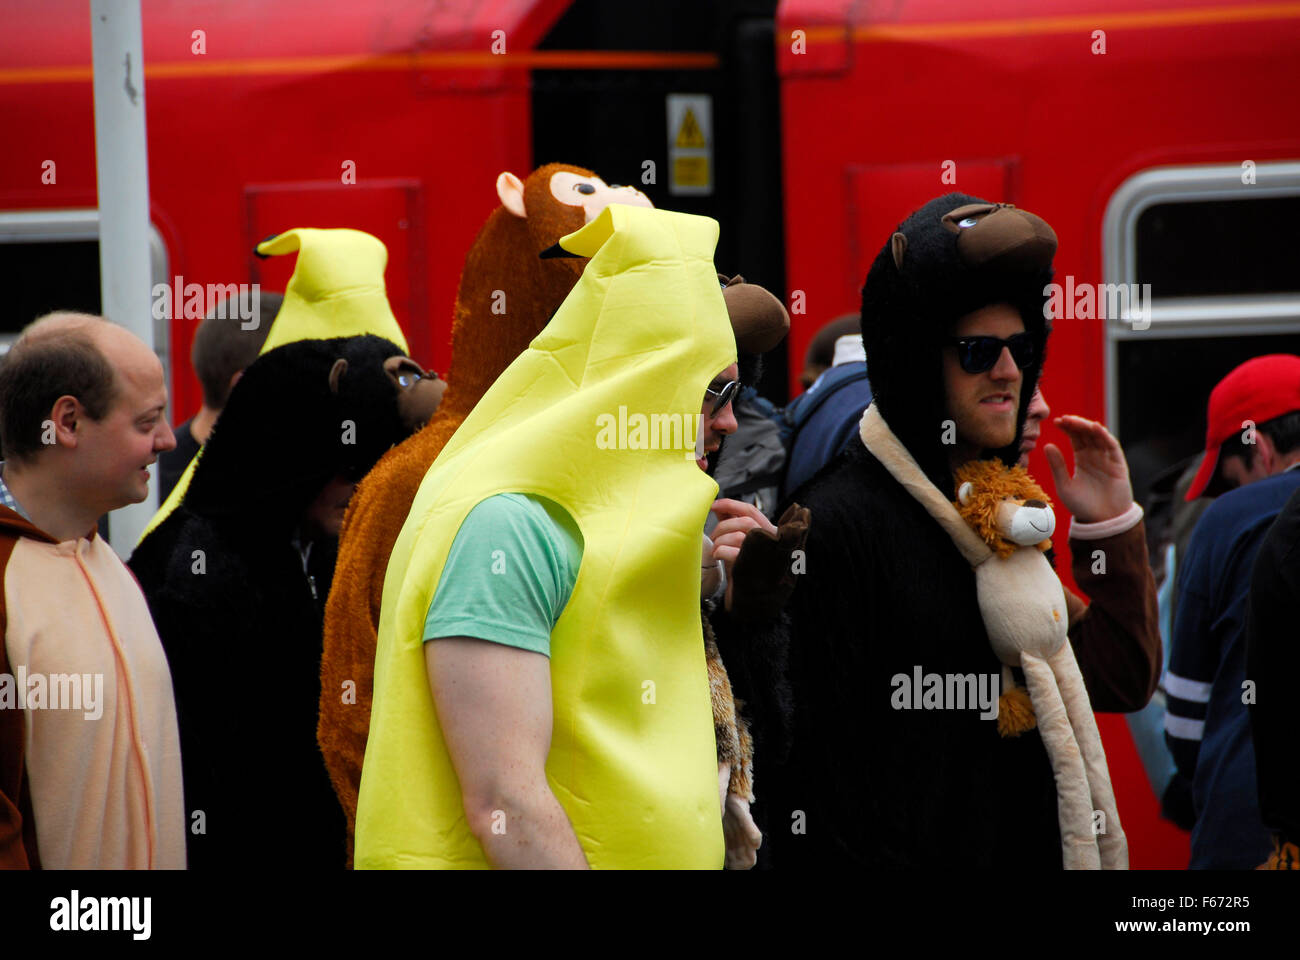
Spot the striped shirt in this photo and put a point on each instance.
(1206, 724)
(7, 497)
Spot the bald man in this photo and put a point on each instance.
(90, 774)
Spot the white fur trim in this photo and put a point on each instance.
(1102, 529)
(894, 457)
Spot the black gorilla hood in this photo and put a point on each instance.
(937, 268)
(288, 429)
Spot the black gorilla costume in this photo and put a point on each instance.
(848, 780)
(239, 611)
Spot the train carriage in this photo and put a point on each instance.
(1159, 138)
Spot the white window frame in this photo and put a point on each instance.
(67, 226)
(1177, 317)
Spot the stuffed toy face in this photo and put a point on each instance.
(1004, 506)
(418, 392)
(551, 202)
(1020, 597)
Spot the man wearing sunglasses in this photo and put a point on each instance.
(982, 379)
(717, 416)
(955, 335)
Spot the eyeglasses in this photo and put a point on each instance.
(979, 354)
(725, 395)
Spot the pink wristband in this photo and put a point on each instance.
(1125, 522)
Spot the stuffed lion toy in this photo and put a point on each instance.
(1024, 610)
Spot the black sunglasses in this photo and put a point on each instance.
(725, 395)
(979, 354)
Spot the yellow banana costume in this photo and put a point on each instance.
(632, 760)
(337, 290)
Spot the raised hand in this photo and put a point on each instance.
(1100, 488)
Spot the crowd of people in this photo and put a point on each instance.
(592, 601)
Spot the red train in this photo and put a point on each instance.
(1158, 137)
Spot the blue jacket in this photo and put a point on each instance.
(1207, 725)
(822, 420)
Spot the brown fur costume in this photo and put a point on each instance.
(735, 745)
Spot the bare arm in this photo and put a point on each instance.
(494, 706)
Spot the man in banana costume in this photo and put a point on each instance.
(577, 731)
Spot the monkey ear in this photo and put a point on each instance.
(899, 244)
(511, 191)
(964, 492)
(336, 374)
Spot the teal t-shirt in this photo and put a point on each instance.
(509, 573)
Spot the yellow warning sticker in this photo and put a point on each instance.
(690, 144)
(691, 171)
(689, 133)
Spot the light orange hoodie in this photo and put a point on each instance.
(90, 762)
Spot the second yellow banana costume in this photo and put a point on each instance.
(337, 290)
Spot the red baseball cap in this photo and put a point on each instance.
(1258, 390)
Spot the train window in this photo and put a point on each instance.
(1218, 245)
(49, 260)
(35, 287)
(1165, 386)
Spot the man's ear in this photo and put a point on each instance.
(234, 379)
(1265, 452)
(964, 492)
(64, 415)
(336, 374)
(511, 191)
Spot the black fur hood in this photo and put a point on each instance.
(285, 433)
(908, 312)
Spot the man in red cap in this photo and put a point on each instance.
(1252, 450)
(1248, 415)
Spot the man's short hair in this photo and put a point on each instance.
(821, 348)
(222, 347)
(1284, 431)
(51, 358)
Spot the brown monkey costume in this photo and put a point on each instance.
(502, 263)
